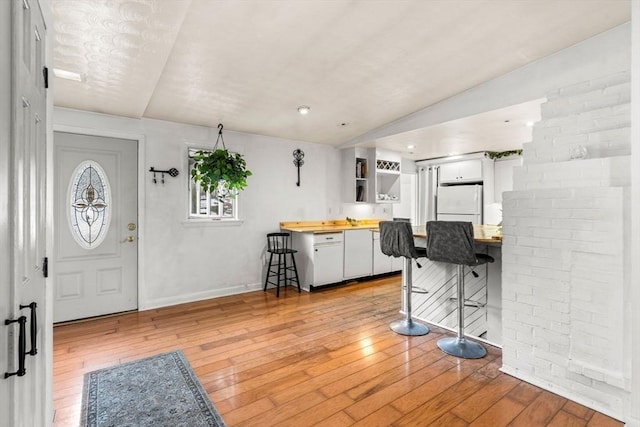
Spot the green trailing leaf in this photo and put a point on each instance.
(500, 154)
(211, 167)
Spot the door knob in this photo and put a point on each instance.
(131, 226)
(129, 238)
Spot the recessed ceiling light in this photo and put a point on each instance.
(529, 124)
(304, 109)
(411, 146)
(67, 75)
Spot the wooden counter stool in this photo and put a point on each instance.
(279, 244)
(453, 242)
(396, 239)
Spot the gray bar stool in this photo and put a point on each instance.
(396, 239)
(452, 242)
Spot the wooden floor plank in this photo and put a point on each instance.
(540, 412)
(499, 415)
(565, 419)
(326, 358)
(487, 396)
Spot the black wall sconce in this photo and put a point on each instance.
(173, 172)
(298, 155)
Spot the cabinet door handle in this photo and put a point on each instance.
(22, 346)
(33, 327)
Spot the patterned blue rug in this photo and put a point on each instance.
(161, 390)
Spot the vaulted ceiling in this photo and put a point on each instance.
(359, 64)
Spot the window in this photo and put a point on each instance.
(89, 206)
(203, 205)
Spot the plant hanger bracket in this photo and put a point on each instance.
(220, 138)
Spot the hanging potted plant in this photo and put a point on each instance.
(220, 172)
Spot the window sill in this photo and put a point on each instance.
(207, 222)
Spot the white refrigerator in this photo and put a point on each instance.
(459, 203)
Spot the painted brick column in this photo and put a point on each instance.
(566, 251)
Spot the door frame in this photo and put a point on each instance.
(140, 174)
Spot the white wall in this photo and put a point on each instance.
(183, 261)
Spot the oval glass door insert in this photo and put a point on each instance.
(89, 204)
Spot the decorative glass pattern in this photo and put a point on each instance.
(89, 204)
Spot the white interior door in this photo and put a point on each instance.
(95, 226)
(23, 359)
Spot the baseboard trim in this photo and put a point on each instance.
(561, 391)
(198, 296)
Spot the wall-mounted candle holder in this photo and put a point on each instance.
(298, 155)
(173, 172)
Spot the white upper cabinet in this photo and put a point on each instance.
(356, 171)
(371, 175)
(388, 186)
(461, 172)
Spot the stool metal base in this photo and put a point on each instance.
(408, 327)
(461, 347)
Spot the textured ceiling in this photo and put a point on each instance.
(249, 64)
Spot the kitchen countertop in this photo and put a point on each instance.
(482, 233)
(329, 226)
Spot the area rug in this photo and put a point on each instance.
(161, 390)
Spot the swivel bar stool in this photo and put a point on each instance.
(396, 239)
(452, 242)
(279, 244)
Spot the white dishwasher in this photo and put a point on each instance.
(328, 255)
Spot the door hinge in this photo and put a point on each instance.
(45, 267)
(45, 74)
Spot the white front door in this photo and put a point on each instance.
(96, 220)
(25, 374)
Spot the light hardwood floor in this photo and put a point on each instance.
(327, 358)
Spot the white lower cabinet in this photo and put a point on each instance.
(327, 258)
(383, 263)
(327, 261)
(357, 253)
(319, 259)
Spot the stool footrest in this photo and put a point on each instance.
(470, 302)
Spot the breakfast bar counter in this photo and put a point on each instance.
(433, 299)
(339, 251)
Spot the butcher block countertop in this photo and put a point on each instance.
(328, 226)
(482, 233)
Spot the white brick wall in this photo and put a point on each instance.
(595, 115)
(565, 257)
